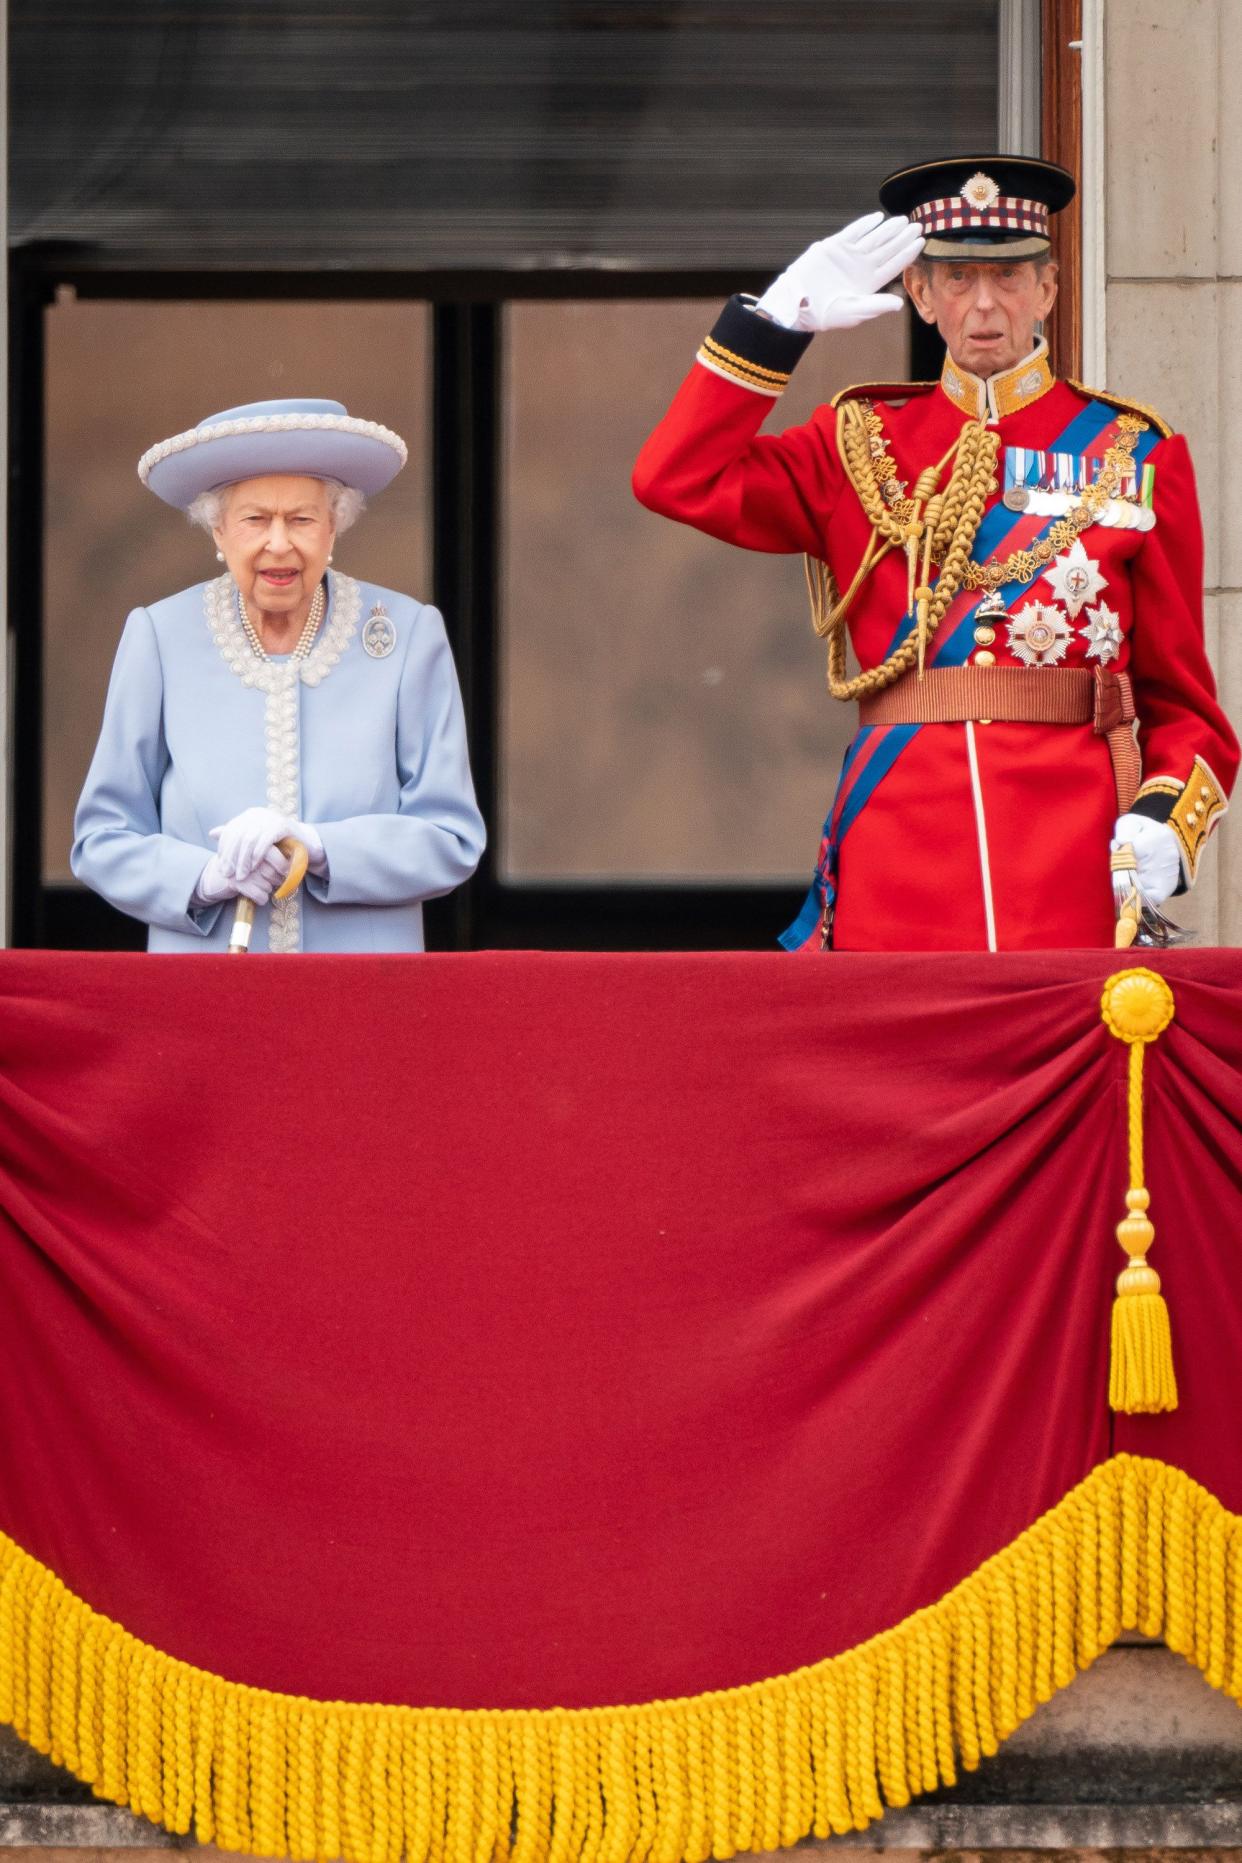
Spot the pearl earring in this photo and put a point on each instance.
(219, 556)
(329, 559)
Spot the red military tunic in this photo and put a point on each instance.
(972, 836)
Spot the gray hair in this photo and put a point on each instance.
(345, 502)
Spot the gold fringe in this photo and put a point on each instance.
(1137, 1545)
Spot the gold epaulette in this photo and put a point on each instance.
(1122, 404)
(881, 391)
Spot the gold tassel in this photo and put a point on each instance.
(923, 596)
(923, 593)
(1137, 1006)
(912, 562)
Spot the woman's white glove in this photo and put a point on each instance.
(834, 285)
(215, 885)
(1157, 855)
(248, 838)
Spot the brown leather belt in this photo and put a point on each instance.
(1071, 695)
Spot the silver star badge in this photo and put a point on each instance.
(1102, 634)
(1039, 634)
(1075, 578)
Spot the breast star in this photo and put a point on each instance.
(1075, 578)
(1039, 634)
(1102, 634)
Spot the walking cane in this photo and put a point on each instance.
(243, 918)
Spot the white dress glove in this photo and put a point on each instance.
(836, 283)
(243, 842)
(215, 885)
(1157, 856)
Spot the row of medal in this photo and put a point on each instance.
(1049, 484)
(1040, 634)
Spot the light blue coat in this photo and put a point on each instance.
(384, 774)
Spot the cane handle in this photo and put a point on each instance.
(295, 853)
(243, 915)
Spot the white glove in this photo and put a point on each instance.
(1158, 862)
(214, 884)
(833, 286)
(247, 838)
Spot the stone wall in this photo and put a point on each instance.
(1173, 303)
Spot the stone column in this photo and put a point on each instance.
(1172, 186)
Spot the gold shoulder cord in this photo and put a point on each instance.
(945, 523)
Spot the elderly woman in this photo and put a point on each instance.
(281, 699)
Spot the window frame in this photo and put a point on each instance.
(467, 400)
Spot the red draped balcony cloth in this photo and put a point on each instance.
(593, 1407)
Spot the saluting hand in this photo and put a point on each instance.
(837, 282)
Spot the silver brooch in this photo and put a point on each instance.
(1039, 634)
(379, 636)
(1102, 634)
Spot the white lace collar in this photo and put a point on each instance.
(339, 628)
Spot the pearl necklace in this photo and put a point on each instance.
(306, 639)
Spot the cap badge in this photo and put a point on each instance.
(379, 636)
(1102, 634)
(1075, 578)
(981, 192)
(1039, 635)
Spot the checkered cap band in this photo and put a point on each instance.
(1007, 214)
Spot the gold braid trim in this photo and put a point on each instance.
(1123, 404)
(1136, 1545)
(944, 523)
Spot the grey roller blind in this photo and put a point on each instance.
(483, 133)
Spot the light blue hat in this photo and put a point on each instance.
(312, 439)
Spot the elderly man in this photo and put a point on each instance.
(1018, 563)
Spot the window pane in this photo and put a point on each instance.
(121, 376)
(664, 713)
